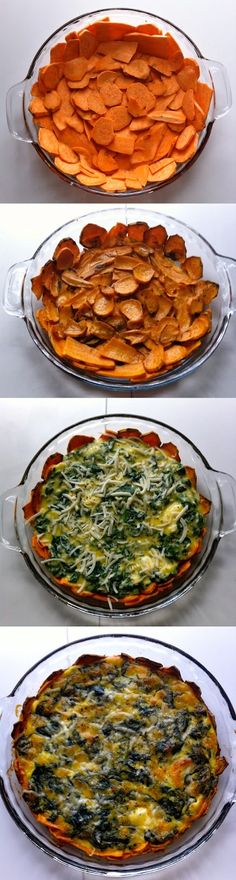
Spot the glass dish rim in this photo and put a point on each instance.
(140, 869)
(96, 190)
(116, 384)
(170, 599)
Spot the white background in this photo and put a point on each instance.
(26, 25)
(27, 424)
(25, 372)
(19, 649)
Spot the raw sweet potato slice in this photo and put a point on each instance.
(185, 137)
(71, 168)
(105, 162)
(52, 100)
(119, 116)
(203, 96)
(123, 142)
(138, 69)
(111, 94)
(187, 78)
(188, 105)
(180, 156)
(103, 132)
(120, 51)
(87, 43)
(37, 107)
(75, 69)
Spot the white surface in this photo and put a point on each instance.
(210, 25)
(27, 424)
(20, 648)
(25, 372)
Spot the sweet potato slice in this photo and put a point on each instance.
(154, 359)
(92, 236)
(203, 95)
(143, 273)
(50, 463)
(171, 450)
(40, 548)
(87, 44)
(103, 306)
(193, 266)
(181, 156)
(191, 474)
(118, 350)
(78, 441)
(120, 51)
(175, 248)
(75, 69)
(80, 351)
(133, 372)
(188, 105)
(136, 231)
(205, 504)
(198, 328)
(124, 288)
(151, 439)
(132, 310)
(185, 137)
(103, 132)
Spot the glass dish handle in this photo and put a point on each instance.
(222, 88)
(7, 529)
(227, 487)
(15, 113)
(231, 270)
(12, 291)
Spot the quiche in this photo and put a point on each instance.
(117, 519)
(117, 756)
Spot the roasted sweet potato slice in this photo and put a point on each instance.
(92, 236)
(50, 463)
(78, 441)
(171, 450)
(156, 236)
(175, 248)
(40, 548)
(193, 266)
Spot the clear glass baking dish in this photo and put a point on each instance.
(220, 488)
(191, 670)
(20, 121)
(19, 301)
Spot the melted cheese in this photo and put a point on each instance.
(117, 755)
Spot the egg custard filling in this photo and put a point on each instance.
(116, 517)
(116, 755)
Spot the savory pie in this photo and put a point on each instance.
(117, 756)
(117, 519)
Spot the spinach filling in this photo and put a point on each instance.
(117, 516)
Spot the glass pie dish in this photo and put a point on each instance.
(110, 644)
(22, 126)
(19, 300)
(219, 488)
